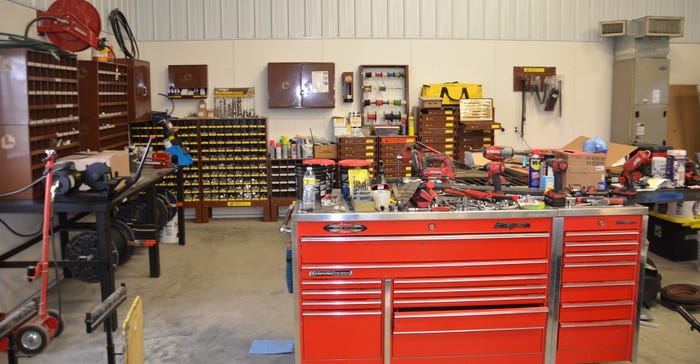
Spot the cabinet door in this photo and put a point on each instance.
(318, 85)
(141, 81)
(342, 335)
(283, 85)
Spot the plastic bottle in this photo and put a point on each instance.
(309, 197)
(411, 126)
(602, 186)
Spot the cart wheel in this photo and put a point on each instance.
(59, 322)
(32, 339)
(170, 199)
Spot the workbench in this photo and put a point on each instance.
(506, 286)
(73, 207)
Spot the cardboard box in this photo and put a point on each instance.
(430, 102)
(326, 151)
(585, 169)
(615, 157)
(117, 160)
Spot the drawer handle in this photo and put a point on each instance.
(340, 303)
(350, 239)
(343, 313)
(603, 233)
(425, 265)
(597, 324)
(590, 265)
(467, 300)
(342, 282)
(615, 254)
(604, 284)
(601, 304)
(467, 279)
(615, 244)
(333, 293)
(470, 289)
(411, 315)
(468, 330)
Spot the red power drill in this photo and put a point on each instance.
(556, 197)
(495, 168)
(639, 159)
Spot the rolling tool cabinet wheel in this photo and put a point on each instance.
(59, 322)
(32, 339)
(121, 236)
(170, 201)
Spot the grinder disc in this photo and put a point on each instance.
(73, 10)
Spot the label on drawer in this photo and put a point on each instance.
(330, 273)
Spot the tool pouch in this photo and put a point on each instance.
(452, 92)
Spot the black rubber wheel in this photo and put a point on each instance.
(170, 199)
(681, 294)
(32, 339)
(160, 211)
(121, 236)
(82, 246)
(59, 326)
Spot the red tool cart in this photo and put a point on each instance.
(509, 286)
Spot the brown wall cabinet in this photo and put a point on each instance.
(139, 75)
(38, 111)
(301, 85)
(188, 81)
(104, 105)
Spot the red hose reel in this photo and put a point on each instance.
(79, 29)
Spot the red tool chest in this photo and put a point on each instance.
(487, 286)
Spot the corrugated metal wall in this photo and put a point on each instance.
(559, 20)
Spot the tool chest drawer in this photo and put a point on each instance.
(438, 248)
(595, 335)
(597, 291)
(605, 310)
(596, 224)
(470, 291)
(468, 332)
(597, 256)
(604, 271)
(583, 246)
(342, 336)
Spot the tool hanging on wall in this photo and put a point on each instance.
(547, 91)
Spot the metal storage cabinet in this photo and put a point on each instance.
(557, 285)
(38, 111)
(301, 85)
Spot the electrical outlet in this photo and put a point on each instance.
(516, 130)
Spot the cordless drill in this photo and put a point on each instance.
(556, 197)
(639, 159)
(496, 155)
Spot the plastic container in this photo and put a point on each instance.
(309, 189)
(344, 166)
(323, 170)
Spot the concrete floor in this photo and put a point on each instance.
(226, 287)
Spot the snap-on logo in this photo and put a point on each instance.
(503, 225)
(626, 222)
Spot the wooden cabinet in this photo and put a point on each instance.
(188, 81)
(139, 91)
(104, 105)
(301, 85)
(38, 111)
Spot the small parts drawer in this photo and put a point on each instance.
(601, 236)
(598, 291)
(600, 246)
(339, 294)
(470, 291)
(468, 332)
(597, 223)
(584, 311)
(585, 257)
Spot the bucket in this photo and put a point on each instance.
(168, 234)
(323, 170)
(344, 166)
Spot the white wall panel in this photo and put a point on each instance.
(329, 20)
(229, 19)
(346, 18)
(263, 14)
(395, 19)
(363, 18)
(559, 20)
(428, 14)
(313, 18)
(412, 18)
(246, 19)
(297, 27)
(380, 14)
